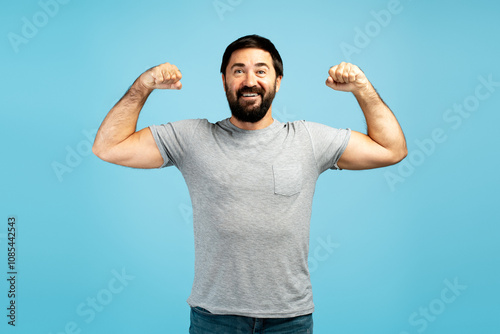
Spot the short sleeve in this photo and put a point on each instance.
(174, 140)
(328, 144)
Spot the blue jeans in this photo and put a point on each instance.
(204, 322)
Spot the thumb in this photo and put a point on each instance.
(178, 85)
(330, 83)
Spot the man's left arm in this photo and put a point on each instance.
(384, 144)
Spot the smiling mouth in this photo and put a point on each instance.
(249, 95)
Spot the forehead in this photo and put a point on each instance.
(250, 56)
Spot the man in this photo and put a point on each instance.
(251, 180)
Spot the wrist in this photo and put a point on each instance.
(140, 89)
(365, 93)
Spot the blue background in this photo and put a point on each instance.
(383, 242)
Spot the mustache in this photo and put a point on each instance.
(246, 90)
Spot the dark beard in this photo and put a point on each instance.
(251, 114)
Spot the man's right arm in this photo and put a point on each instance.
(117, 140)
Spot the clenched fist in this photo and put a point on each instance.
(346, 77)
(164, 76)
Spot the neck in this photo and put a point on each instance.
(263, 123)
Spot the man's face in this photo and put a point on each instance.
(250, 84)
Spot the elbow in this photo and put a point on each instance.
(399, 155)
(106, 153)
(404, 153)
(99, 151)
(394, 156)
(96, 150)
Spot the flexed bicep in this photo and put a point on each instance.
(362, 152)
(139, 150)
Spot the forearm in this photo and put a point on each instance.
(382, 126)
(121, 121)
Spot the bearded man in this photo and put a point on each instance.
(251, 180)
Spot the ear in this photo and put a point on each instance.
(224, 82)
(278, 83)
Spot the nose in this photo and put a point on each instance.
(250, 79)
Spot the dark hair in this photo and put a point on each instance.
(257, 42)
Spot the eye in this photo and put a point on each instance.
(261, 72)
(238, 71)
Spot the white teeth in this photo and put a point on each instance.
(249, 95)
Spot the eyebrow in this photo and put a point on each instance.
(243, 65)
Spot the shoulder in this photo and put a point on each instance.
(192, 122)
(311, 128)
(185, 124)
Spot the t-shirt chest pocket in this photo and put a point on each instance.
(287, 178)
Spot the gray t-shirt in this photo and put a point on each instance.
(251, 192)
